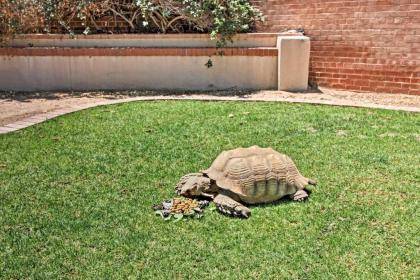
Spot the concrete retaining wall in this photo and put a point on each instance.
(57, 62)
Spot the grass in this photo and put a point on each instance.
(76, 194)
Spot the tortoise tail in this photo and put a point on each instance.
(302, 182)
(312, 182)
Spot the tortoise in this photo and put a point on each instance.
(241, 176)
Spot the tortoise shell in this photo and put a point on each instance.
(256, 174)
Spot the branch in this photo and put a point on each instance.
(122, 16)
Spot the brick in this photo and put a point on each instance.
(4, 129)
(377, 39)
(136, 51)
(15, 126)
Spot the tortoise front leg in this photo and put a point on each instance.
(229, 206)
(300, 195)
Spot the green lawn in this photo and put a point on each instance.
(76, 194)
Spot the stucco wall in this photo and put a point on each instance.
(31, 73)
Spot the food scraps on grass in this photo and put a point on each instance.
(179, 208)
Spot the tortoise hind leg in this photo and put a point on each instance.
(229, 206)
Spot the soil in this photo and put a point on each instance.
(17, 106)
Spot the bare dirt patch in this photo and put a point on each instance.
(17, 106)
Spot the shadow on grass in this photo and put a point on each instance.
(284, 200)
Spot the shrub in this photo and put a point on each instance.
(19, 16)
(220, 18)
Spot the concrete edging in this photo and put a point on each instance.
(39, 118)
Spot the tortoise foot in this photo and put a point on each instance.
(241, 212)
(300, 195)
(231, 207)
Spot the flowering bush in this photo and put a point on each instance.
(220, 18)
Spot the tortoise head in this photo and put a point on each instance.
(194, 184)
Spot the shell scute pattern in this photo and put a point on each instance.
(255, 174)
(239, 173)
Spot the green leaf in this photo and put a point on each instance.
(178, 217)
(159, 212)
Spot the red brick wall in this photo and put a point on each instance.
(107, 24)
(369, 45)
